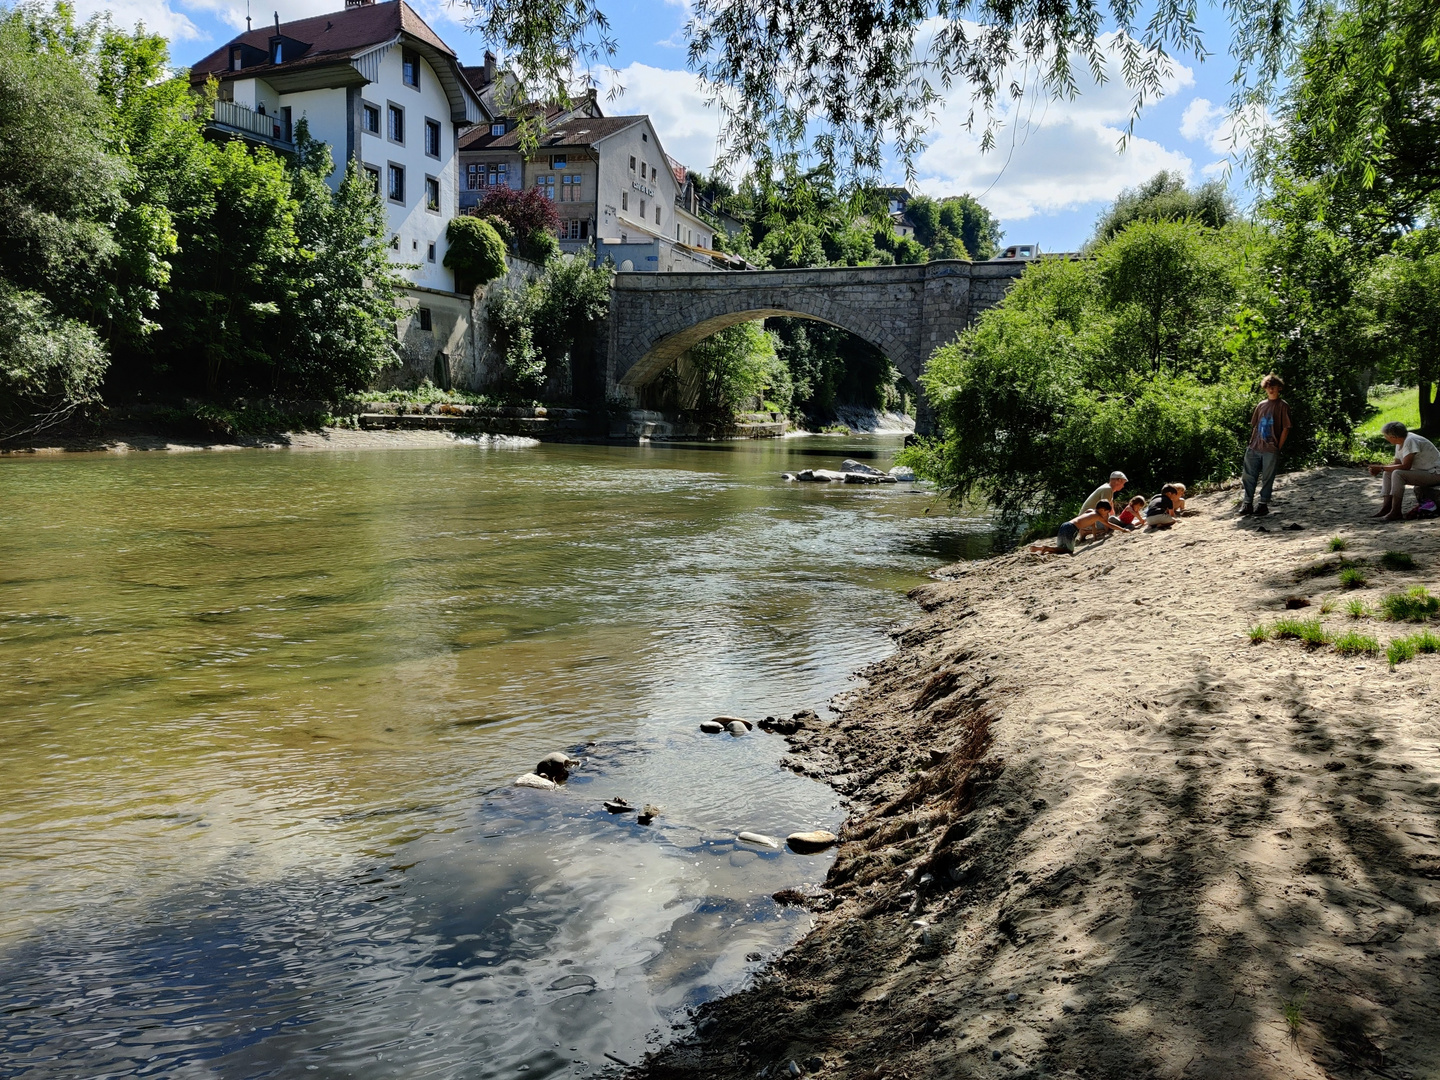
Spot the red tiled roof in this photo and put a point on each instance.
(331, 38)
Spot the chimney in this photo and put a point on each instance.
(489, 67)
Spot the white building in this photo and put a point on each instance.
(381, 88)
(613, 185)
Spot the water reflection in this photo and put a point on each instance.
(259, 712)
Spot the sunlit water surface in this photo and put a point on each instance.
(260, 713)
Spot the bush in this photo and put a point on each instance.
(1400, 650)
(1413, 605)
(1338, 543)
(524, 211)
(476, 252)
(542, 327)
(1352, 577)
(49, 365)
(1397, 560)
(1353, 643)
(539, 245)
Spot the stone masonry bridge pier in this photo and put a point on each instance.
(906, 311)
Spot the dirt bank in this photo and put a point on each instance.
(335, 438)
(1099, 833)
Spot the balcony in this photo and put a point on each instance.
(233, 119)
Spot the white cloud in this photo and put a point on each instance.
(675, 103)
(1222, 132)
(161, 18)
(1050, 155)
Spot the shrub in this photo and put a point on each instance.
(525, 211)
(539, 245)
(1327, 605)
(1353, 643)
(1400, 650)
(476, 252)
(1414, 605)
(1425, 642)
(1258, 633)
(1338, 543)
(1357, 609)
(1352, 577)
(1397, 560)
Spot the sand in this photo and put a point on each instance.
(1099, 833)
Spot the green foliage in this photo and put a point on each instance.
(1123, 362)
(1338, 543)
(1354, 643)
(1398, 307)
(427, 393)
(49, 365)
(240, 419)
(1357, 609)
(956, 227)
(1413, 605)
(1426, 641)
(736, 367)
(1397, 560)
(1164, 197)
(1352, 577)
(475, 252)
(1258, 633)
(543, 327)
(1400, 650)
(1309, 631)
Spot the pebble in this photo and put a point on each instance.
(530, 779)
(1012, 997)
(648, 814)
(793, 1069)
(808, 843)
(711, 727)
(759, 838)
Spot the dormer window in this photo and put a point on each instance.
(410, 69)
(277, 52)
(557, 161)
(497, 129)
(236, 60)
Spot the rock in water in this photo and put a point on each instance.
(648, 814)
(618, 806)
(808, 843)
(737, 728)
(711, 727)
(903, 473)
(788, 476)
(728, 720)
(850, 465)
(530, 779)
(759, 839)
(556, 766)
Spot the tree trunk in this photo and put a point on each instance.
(1429, 408)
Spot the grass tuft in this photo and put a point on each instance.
(1352, 577)
(1354, 643)
(1338, 543)
(1357, 608)
(1425, 642)
(1327, 605)
(1258, 633)
(1413, 605)
(1307, 630)
(1400, 650)
(1295, 1015)
(1397, 560)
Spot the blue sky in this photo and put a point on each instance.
(1055, 169)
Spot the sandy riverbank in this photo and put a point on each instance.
(1100, 834)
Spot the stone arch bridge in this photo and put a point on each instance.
(906, 312)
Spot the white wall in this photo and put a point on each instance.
(616, 180)
(325, 110)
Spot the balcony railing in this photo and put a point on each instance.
(239, 118)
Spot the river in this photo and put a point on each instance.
(260, 714)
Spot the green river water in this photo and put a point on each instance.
(261, 712)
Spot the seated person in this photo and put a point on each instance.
(1162, 509)
(1134, 513)
(1086, 523)
(1416, 462)
(1179, 497)
(1106, 491)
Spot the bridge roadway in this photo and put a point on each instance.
(906, 311)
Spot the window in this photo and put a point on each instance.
(276, 52)
(575, 229)
(374, 174)
(423, 317)
(432, 138)
(370, 119)
(430, 254)
(624, 200)
(632, 164)
(287, 130)
(397, 184)
(642, 209)
(410, 69)
(432, 194)
(557, 161)
(397, 124)
(644, 137)
(479, 175)
(570, 188)
(236, 60)
(657, 215)
(497, 128)
(546, 184)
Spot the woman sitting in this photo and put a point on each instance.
(1416, 462)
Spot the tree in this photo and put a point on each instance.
(1164, 197)
(530, 217)
(737, 366)
(476, 253)
(1400, 301)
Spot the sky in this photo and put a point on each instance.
(1057, 164)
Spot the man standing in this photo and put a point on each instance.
(1269, 428)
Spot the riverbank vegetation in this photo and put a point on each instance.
(135, 253)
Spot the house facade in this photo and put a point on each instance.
(381, 88)
(613, 186)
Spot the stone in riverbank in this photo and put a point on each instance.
(532, 780)
(811, 843)
(759, 840)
